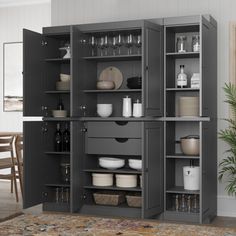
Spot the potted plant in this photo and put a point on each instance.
(228, 135)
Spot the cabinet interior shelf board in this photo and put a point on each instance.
(120, 119)
(183, 55)
(112, 91)
(187, 118)
(57, 91)
(180, 189)
(57, 59)
(115, 58)
(125, 170)
(136, 189)
(58, 185)
(181, 156)
(181, 89)
(57, 153)
(57, 118)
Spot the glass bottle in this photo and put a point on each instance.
(57, 197)
(195, 205)
(181, 44)
(60, 105)
(58, 139)
(183, 205)
(66, 139)
(182, 78)
(176, 202)
(196, 43)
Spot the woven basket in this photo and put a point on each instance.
(109, 198)
(134, 201)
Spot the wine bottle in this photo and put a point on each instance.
(60, 105)
(182, 78)
(58, 139)
(66, 139)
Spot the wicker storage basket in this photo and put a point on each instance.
(134, 201)
(109, 198)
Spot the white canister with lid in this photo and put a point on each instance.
(127, 109)
(137, 109)
(191, 177)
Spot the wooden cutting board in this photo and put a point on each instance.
(112, 73)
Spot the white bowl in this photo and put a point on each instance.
(126, 181)
(59, 113)
(102, 179)
(135, 164)
(64, 77)
(60, 85)
(104, 110)
(111, 163)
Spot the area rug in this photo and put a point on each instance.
(65, 225)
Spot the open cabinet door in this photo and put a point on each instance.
(33, 67)
(153, 69)
(38, 169)
(77, 152)
(153, 169)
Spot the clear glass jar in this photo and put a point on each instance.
(181, 44)
(196, 43)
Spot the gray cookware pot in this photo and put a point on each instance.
(190, 145)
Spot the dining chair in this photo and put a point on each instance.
(7, 160)
(19, 160)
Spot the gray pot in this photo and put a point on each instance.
(190, 145)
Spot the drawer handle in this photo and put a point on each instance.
(121, 123)
(121, 140)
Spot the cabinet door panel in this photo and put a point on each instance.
(32, 73)
(77, 155)
(153, 169)
(38, 169)
(153, 69)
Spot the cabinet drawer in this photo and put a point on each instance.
(116, 129)
(113, 146)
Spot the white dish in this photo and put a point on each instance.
(135, 164)
(62, 86)
(126, 181)
(59, 113)
(102, 179)
(111, 163)
(104, 110)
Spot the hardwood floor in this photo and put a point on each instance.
(9, 206)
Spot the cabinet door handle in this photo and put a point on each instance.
(121, 140)
(121, 123)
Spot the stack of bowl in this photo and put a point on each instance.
(134, 82)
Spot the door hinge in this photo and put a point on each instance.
(44, 43)
(44, 127)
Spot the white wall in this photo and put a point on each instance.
(90, 11)
(12, 20)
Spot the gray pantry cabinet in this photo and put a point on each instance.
(153, 138)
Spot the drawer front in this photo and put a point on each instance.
(113, 146)
(116, 129)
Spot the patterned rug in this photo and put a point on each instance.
(66, 225)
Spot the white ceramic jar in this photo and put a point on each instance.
(126, 181)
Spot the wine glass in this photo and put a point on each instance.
(138, 43)
(93, 43)
(106, 44)
(129, 43)
(119, 42)
(114, 45)
(101, 45)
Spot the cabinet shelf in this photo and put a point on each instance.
(57, 153)
(181, 156)
(136, 189)
(181, 89)
(56, 206)
(180, 189)
(65, 60)
(121, 171)
(187, 119)
(96, 118)
(183, 55)
(57, 91)
(114, 58)
(56, 118)
(57, 185)
(112, 91)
